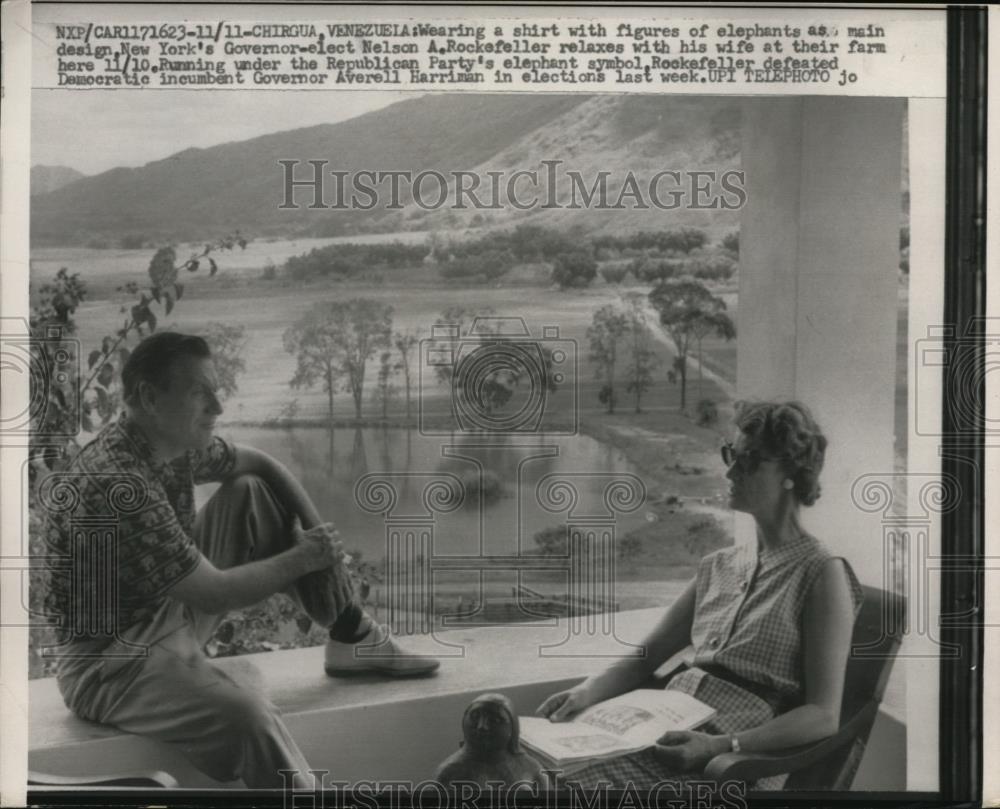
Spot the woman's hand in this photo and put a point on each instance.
(689, 751)
(565, 705)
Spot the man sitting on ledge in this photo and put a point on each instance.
(140, 666)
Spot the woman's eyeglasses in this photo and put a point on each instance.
(748, 460)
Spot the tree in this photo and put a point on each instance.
(687, 309)
(227, 343)
(312, 342)
(385, 390)
(337, 339)
(605, 332)
(364, 326)
(642, 358)
(576, 268)
(405, 343)
(717, 323)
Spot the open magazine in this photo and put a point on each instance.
(612, 728)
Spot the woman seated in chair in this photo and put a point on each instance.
(770, 622)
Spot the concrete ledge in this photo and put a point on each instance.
(408, 726)
(378, 729)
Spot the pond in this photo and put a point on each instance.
(484, 495)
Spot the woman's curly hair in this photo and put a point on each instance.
(787, 431)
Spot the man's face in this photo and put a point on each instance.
(184, 413)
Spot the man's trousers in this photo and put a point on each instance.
(175, 694)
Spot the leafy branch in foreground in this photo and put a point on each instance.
(90, 399)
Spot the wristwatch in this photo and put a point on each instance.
(734, 744)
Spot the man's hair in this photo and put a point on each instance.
(153, 358)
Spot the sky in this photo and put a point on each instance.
(96, 130)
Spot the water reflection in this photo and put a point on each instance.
(500, 474)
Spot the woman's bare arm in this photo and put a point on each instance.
(669, 636)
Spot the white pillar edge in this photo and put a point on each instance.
(15, 149)
(920, 655)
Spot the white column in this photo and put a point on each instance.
(818, 303)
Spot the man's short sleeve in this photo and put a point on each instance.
(214, 463)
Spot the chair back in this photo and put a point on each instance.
(878, 632)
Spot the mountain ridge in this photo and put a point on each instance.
(45, 179)
(201, 193)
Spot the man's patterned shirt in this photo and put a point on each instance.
(102, 581)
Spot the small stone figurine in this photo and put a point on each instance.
(491, 750)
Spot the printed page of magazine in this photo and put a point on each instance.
(619, 725)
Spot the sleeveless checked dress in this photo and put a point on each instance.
(748, 628)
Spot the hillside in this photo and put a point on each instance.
(201, 193)
(45, 179)
(198, 193)
(616, 134)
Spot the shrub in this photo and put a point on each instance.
(486, 485)
(678, 240)
(574, 269)
(524, 243)
(629, 547)
(711, 268)
(552, 541)
(703, 536)
(353, 259)
(707, 413)
(731, 242)
(651, 271)
(614, 275)
(133, 241)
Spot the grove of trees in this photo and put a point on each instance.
(333, 342)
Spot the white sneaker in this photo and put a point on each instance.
(377, 652)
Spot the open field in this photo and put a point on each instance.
(238, 296)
